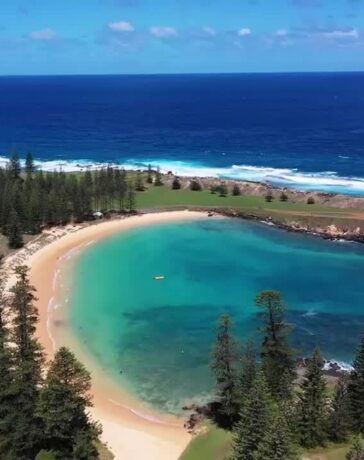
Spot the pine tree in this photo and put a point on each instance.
(130, 197)
(195, 186)
(69, 432)
(158, 178)
(139, 185)
(14, 166)
(255, 419)
(6, 380)
(26, 435)
(357, 451)
(356, 391)
(236, 190)
(277, 443)
(149, 175)
(176, 184)
(269, 196)
(283, 196)
(223, 366)
(121, 188)
(278, 365)
(222, 189)
(339, 421)
(311, 410)
(248, 371)
(14, 231)
(29, 167)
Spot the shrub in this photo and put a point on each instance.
(195, 186)
(236, 190)
(176, 184)
(269, 196)
(222, 189)
(311, 200)
(283, 196)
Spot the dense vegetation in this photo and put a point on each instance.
(43, 409)
(31, 199)
(272, 414)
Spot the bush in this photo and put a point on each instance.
(310, 200)
(213, 189)
(236, 190)
(176, 184)
(222, 189)
(195, 186)
(283, 196)
(269, 196)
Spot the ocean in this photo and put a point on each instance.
(295, 130)
(155, 337)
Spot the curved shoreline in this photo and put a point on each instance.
(129, 429)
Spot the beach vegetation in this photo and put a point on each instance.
(222, 190)
(64, 399)
(248, 372)
(310, 200)
(276, 355)
(158, 178)
(14, 166)
(26, 436)
(130, 197)
(139, 183)
(236, 190)
(339, 419)
(195, 185)
(283, 196)
(43, 418)
(273, 414)
(312, 409)
(176, 183)
(149, 175)
(269, 197)
(254, 421)
(223, 365)
(14, 231)
(356, 391)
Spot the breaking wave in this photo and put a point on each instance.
(325, 181)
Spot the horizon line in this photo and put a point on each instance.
(285, 72)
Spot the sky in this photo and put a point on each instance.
(40, 37)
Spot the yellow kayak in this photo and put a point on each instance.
(159, 278)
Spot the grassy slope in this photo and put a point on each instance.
(215, 444)
(164, 196)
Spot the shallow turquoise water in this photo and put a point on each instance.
(159, 334)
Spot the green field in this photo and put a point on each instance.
(163, 196)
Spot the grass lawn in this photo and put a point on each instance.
(156, 197)
(215, 444)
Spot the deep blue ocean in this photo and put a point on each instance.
(301, 130)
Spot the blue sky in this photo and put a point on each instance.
(177, 36)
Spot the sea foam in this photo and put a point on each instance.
(324, 181)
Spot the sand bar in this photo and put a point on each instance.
(130, 430)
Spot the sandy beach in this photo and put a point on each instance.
(130, 430)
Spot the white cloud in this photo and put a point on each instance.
(348, 33)
(281, 33)
(209, 31)
(43, 35)
(121, 26)
(163, 32)
(244, 32)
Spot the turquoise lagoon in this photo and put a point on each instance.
(155, 337)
